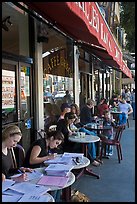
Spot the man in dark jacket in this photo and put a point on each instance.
(86, 114)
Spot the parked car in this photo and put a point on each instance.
(59, 95)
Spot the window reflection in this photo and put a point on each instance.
(8, 96)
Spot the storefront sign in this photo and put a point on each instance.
(90, 13)
(57, 64)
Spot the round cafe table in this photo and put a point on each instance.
(115, 114)
(84, 141)
(79, 167)
(66, 190)
(99, 129)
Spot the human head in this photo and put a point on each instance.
(90, 103)
(65, 107)
(55, 138)
(103, 101)
(67, 92)
(106, 114)
(11, 135)
(114, 97)
(69, 118)
(123, 100)
(75, 109)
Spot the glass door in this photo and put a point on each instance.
(17, 106)
(9, 94)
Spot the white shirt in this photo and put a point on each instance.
(124, 107)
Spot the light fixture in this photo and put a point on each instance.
(6, 23)
(42, 33)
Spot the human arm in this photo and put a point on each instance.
(35, 158)
(130, 110)
(3, 177)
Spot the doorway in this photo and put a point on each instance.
(17, 106)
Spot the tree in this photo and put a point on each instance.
(128, 23)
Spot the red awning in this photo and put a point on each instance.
(83, 21)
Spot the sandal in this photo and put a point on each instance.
(96, 163)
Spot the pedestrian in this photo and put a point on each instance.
(127, 95)
(67, 98)
(125, 107)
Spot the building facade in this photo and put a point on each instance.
(42, 58)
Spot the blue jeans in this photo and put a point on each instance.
(109, 149)
(91, 146)
(56, 195)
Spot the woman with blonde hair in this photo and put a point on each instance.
(11, 135)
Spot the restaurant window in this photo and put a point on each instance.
(58, 71)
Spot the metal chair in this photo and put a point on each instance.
(114, 142)
(41, 133)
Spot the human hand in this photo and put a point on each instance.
(24, 169)
(52, 156)
(21, 178)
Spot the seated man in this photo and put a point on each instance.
(86, 115)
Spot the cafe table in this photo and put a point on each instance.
(46, 198)
(115, 114)
(84, 141)
(66, 190)
(9, 196)
(78, 168)
(99, 129)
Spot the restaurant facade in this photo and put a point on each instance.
(48, 48)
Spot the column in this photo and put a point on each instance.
(76, 75)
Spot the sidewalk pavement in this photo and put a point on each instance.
(117, 180)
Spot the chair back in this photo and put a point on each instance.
(118, 132)
(41, 133)
(18, 155)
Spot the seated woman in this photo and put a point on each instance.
(10, 137)
(63, 125)
(76, 111)
(43, 149)
(91, 146)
